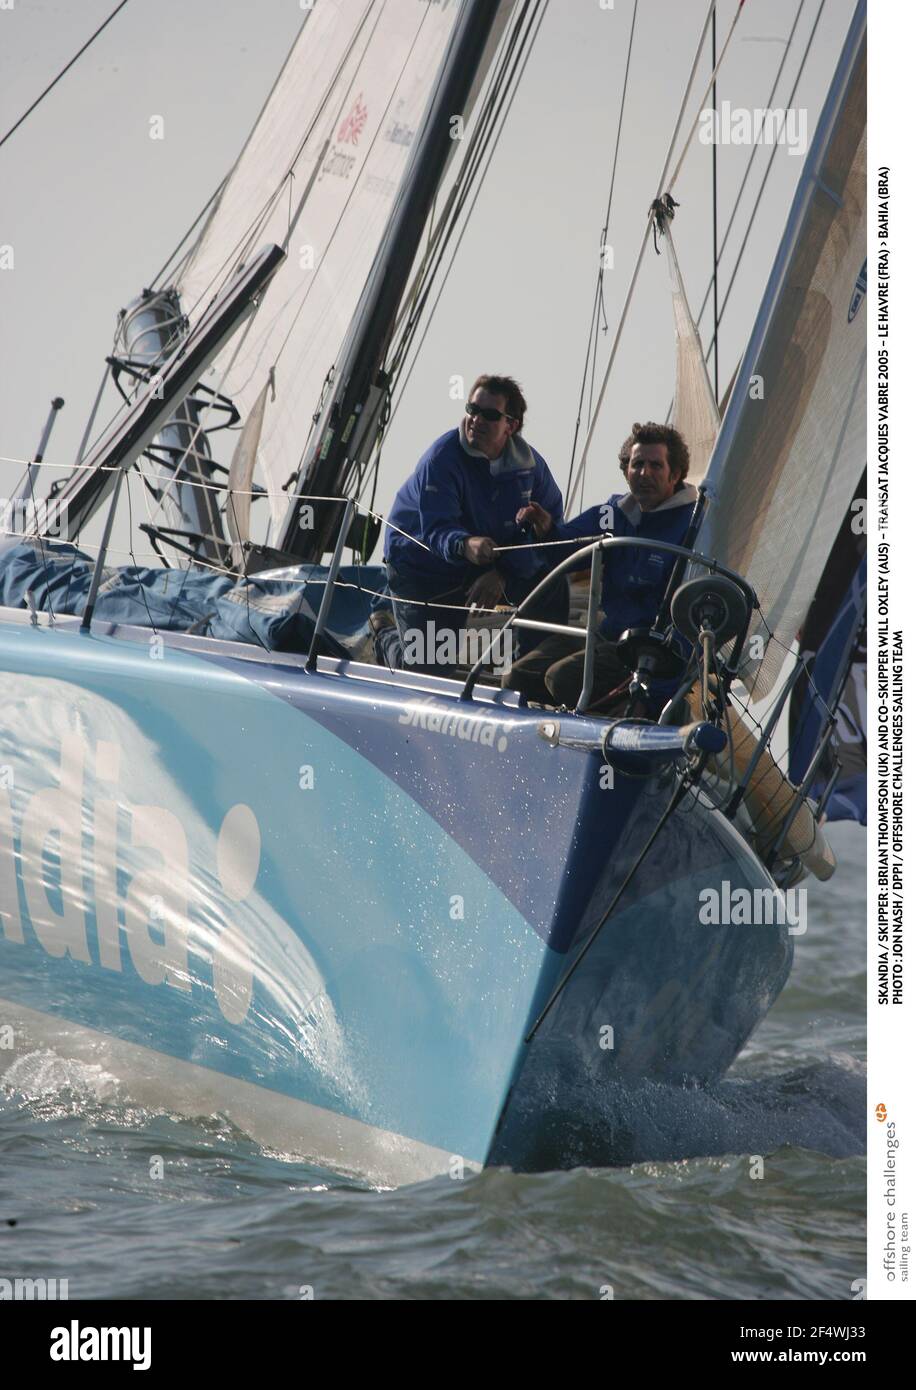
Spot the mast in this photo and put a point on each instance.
(150, 329)
(347, 423)
(715, 227)
(131, 432)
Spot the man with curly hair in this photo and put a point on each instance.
(654, 460)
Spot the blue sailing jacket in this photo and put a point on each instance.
(453, 494)
(635, 578)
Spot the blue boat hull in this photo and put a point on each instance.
(331, 904)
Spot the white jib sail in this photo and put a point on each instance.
(793, 441)
(241, 479)
(695, 413)
(320, 171)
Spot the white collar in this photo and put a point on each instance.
(517, 456)
(629, 505)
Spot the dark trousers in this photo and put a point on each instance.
(552, 674)
(425, 609)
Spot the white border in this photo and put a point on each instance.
(890, 1028)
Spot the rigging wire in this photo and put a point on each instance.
(41, 546)
(130, 532)
(81, 451)
(190, 253)
(715, 230)
(250, 231)
(160, 273)
(442, 228)
(51, 85)
(445, 230)
(667, 185)
(496, 98)
(669, 810)
(664, 184)
(789, 651)
(754, 148)
(591, 354)
(753, 215)
(717, 317)
(313, 279)
(204, 414)
(480, 143)
(403, 370)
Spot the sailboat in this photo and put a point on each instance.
(250, 869)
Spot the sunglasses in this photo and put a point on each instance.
(487, 411)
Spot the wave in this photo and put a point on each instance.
(821, 1106)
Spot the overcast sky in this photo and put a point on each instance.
(92, 207)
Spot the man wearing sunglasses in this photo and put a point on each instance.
(453, 528)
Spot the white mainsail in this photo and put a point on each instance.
(319, 173)
(793, 441)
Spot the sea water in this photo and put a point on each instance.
(751, 1189)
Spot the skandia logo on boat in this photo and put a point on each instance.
(470, 728)
(144, 905)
